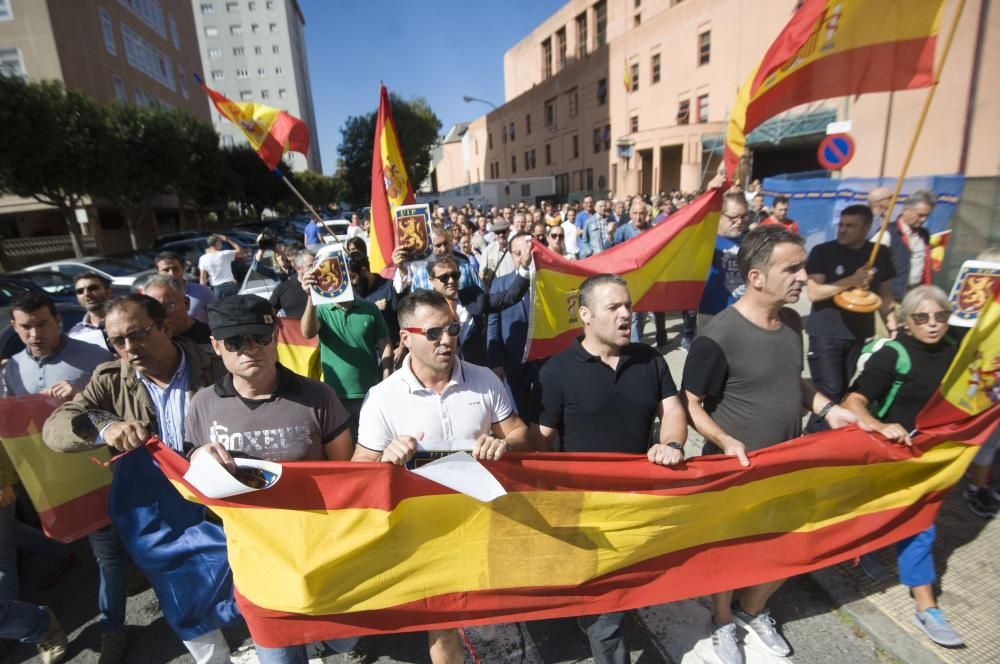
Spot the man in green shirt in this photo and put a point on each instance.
(354, 348)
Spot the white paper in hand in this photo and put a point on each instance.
(461, 472)
(213, 480)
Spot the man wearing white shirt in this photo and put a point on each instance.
(216, 266)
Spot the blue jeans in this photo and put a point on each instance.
(297, 654)
(639, 319)
(112, 563)
(226, 289)
(607, 640)
(915, 558)
(22, 621)
(15, 535)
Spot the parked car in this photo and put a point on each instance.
(191, 250)
(118, 272)
(70, 313)
(59, 286)
(144, 258)
(179, 235)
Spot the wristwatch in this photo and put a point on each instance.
(677, 446)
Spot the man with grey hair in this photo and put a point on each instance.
(910, 244)
(289, 297)
(163, 289)
(878, 201)
(597, 231)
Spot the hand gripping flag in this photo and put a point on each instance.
(832, 48)
(390, 187)
(271, 132)
(665, 267)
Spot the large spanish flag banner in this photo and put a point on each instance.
(832, 48)
(295, 352)
(390, 186)
(665, 267)
(270, 131)
(69, 491)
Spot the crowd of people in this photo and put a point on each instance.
(431, 360)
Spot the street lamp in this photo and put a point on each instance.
(467, 99)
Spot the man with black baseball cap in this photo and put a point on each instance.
(263, 410)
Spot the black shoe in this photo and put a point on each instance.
(980, 501)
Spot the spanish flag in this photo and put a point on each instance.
(69, 491)
(666, 268)
(390, 187)
(271, 132)
(295, 352)
(832, 48)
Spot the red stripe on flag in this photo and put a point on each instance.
(679, 575)
(671, 296)
(76, 518)
(289, 331)
(287, 131)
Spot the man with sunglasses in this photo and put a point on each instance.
(412, 275)
(836, 335)
(442, 402)
(92, 292)
(146, 391)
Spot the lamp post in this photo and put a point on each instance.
(467, 99)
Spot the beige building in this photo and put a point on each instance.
(140, 51)
(656, 79)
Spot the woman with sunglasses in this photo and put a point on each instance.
(924, 315)
(557, 241)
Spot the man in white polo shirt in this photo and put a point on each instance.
(438, 402)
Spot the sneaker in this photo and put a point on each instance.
(980, 501)
(995, 492)
(937, 628)
(873, 569)
(52, 646)
(762, 628)
(724, 643)
(113, 645)
(686, 344)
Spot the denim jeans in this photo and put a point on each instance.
(607, 642)
(226, 289)
(21, 621)
(915, 558)
(297, 654)
(639, 319)
(112, 563)
(15, 535)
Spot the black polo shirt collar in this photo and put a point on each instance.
(583, 355)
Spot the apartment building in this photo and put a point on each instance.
(633, 95)
(254, 50)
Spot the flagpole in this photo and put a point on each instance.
(319, 220)
(861, 299)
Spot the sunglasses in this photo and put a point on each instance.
(237, 343)
(131, 337)
(922, 317)
(447, 276)
(92, 288)
(556, 236)
(435, 333)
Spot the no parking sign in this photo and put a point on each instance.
(835, 151)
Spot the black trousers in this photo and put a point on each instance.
(832, 363)
(607, 641)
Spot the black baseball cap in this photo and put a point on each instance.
(238, 315)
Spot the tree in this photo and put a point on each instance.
(255, 187)
(198, 179)
(322, 191)
(417, 127)
(48, 140)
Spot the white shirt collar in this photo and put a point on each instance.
(413, 383)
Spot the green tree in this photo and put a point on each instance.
(417, 127)
(48, 146)
(199, 177)
(322, 191)
(253, 186)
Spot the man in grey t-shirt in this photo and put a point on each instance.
(744, 390)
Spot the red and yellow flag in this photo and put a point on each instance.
(666, 268)
(69, 491)
(271, 132)
(628, 77)
(832, 48)
(295, 352)
(390, 186)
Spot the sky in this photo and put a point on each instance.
(436, 49)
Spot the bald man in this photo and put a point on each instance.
(878, 201)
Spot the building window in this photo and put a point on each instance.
(275, 49)
(548, 154)
(601, 23)
(532, 158)
(607, 138)
(527, 124)
(703, 108)
(550, 113)
(704, 47)
(215, 53)
(119, 85)
(174, 35)
(561, 49)
(147, 58)
(590, 179)
(272, 27)
(279, 71)
(218, 75)
(575, 146)
(108, 30)
(633, 124)
(6, 12)
(282, 93)
(637, 21)
(149, 12)
(261, 72)
(513, 164)
(634, 75)
(254, 28)
(183, 79)
(232, 7)
(245, 95)
(503, 134)
(489, 140)
(597, 140)
(242, 73)
(654, 67)
(683, 112)
(211, 31)
(236, 30)
(252, 6)
(526, 190)
(265, 94)
(581, 36)
(269, 4)
(511, 132)
(574, 102)
(547, 59)
(527, 160)
(602, 91)
(258, 50)
(239, 50)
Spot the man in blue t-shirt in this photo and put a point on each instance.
(725, 285)
(311, 236)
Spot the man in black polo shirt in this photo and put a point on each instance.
(602, 395)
